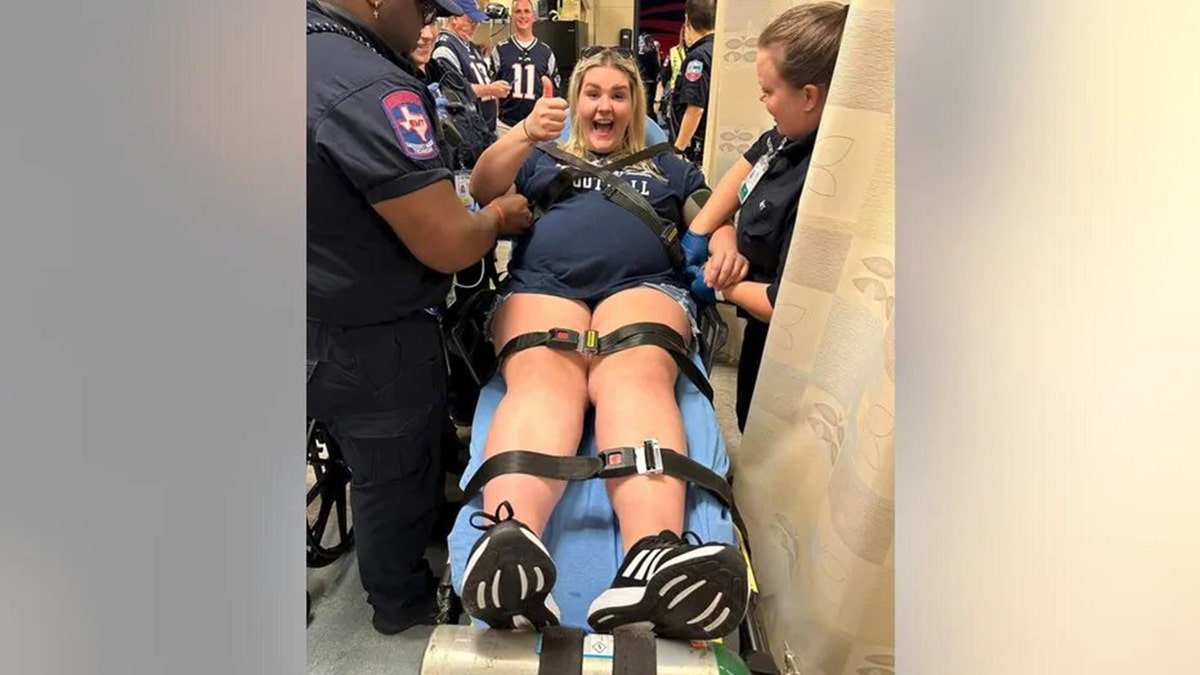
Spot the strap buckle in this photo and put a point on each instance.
(642, 460)
(648, 457)
(587, 342)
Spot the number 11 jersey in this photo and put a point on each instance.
(523, 66)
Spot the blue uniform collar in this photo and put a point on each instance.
(369, 35)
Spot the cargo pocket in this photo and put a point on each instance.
(382, 447)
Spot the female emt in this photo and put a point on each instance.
(796, 55)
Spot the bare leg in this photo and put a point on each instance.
(684, 590)
(543, 407)
(633, 391)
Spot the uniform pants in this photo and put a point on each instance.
(380, 390)
(754, 341)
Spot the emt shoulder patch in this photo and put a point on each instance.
(694, 70)
(413, 128)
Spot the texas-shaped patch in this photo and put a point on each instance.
(406, 112)
(694, 70)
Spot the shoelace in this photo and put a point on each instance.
(692, 538)
(492, 520)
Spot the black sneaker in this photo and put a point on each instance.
(509, 574)
(423, 614)
(686, 591)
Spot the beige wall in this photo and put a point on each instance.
(606, 18)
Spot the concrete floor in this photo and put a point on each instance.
(340, 638)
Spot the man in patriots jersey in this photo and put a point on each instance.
(522, 60)
(455, 50)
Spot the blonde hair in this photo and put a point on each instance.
(809, 37)
(634, 139)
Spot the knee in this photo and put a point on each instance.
(646, 368)
(558, 379)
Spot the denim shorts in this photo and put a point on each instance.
(678, 294)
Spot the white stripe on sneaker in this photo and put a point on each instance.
(704, 615)
(643, 570)
(533, 537)
(671, 584)
(475, 557)
(684, 593)
(524, 581)
(631, 570)
(717, 621)
(496, 590)
(481, 596)
(702, 552)
(537, 572)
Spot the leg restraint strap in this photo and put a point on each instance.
(625, 337)
(647, 459)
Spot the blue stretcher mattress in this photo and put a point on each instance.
(583, 535)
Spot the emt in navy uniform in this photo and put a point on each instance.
(690, 94)
(386, 230)
(796, 56)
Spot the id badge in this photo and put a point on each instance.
(756, 174)
(462, 186)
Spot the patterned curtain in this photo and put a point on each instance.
(814, 472)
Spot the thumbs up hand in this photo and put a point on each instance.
(548, 118)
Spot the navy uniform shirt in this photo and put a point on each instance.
(768, 212)
(523, 67)
(585, 246)
(691, 88)
(370, 139)
(467, 58)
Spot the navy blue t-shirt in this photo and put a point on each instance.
(586, 247)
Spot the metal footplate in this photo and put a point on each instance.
(457, 650)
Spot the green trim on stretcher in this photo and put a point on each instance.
(728, 662)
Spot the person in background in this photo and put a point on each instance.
(689, 98)
(385, 231)
(521, 61)
(649, 63)
(796, 56)
(454, 49)
(666, 80)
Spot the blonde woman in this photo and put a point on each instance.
(589, 264)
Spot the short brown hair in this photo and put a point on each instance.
(702, 14)
(809, 37)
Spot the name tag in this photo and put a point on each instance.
(756, 174)
(462, 186)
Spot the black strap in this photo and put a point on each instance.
(616, 190)
(611, 463)
(562, 651)
(647, 333)
(625, 337)
(635, 652)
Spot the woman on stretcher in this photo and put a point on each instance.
(590, 264)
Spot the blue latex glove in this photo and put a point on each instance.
(695, 249)
(700, 290)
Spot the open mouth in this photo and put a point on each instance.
(603, 127)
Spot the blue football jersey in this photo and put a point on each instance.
(467, 58)
(523, 67)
